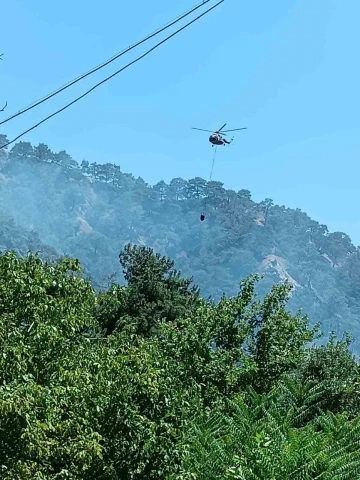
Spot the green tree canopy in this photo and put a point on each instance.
(214, 391)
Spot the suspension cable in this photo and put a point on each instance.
(202, 216)
(213, 162)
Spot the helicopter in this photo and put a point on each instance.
(216, 138)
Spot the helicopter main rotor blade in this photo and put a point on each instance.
(211, 131)
(234, 129)
(222, 127)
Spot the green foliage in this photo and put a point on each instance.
(223, 390)
(336, 369)
(153, 282)
(258, 441)
(155, 292)
(90, 211)
(45, 364)
(277, 344)
(208, 345)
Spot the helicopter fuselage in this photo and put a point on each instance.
(217, 139)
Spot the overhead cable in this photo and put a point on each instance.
(104, 64)
(114, 74)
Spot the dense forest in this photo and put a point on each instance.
(60, 207)
(148, 380)
(117, 363)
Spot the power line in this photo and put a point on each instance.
(104, 64)
(116, 73)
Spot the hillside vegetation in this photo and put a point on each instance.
(149, 381)
(90, 211)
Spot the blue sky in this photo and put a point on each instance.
(288, 70)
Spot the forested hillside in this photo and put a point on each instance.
(148, 381)
(92, 211)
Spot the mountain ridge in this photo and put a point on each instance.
(91, 211)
